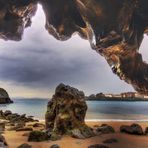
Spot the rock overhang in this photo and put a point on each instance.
(114, 29)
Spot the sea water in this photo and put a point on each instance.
(97, 110)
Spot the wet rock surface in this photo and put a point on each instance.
(134, 129)
(66, 113)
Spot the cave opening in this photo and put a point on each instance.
(122, 57)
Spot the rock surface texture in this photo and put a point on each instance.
(104, 129)
(14, 119)
(15, 16)
(134, 129)
(98, 146)
(66, 113)
(4, 97)
(114, 29)
(37, 136)
(3, 143)
(25, 145)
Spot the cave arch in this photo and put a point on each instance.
(114, 29)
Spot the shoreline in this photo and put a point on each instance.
(105, 120)
(119, 100)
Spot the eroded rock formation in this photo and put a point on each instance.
(114, 28)
(15, 16)
(66, 113)
(4, 97)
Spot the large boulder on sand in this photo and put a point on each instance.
(66, 113)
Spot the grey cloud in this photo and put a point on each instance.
(40, 61)
(41, 68)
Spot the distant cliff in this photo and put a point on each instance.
(4, 97)
(127, 96)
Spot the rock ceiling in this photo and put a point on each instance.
(114, 29)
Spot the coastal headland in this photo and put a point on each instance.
(127, 96)
(4, 97)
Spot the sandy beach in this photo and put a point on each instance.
(15, 139)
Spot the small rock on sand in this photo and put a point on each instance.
(37, 136)
(98, 146)
(104, 129)
(134, 129)
(25, 145)
(24, 129)
(55, 146)
(111, 140)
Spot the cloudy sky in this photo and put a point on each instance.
(34, 66)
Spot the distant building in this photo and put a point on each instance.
(128, 95)
(116, 96)
(146, 97)
(108, 95)
(123, 96)
(137, 95)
